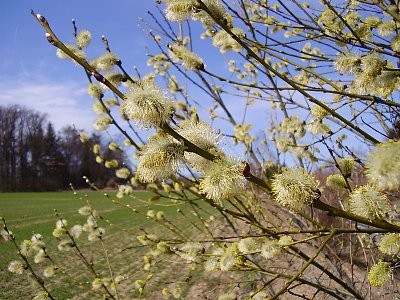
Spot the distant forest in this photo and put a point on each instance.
(33, 157)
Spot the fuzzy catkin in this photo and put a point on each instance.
(295, 188)
(368, 202)
(148, 105)
(179, 10)
(390, 244)
(223, 179)
(83, 38)
(188, 58)
(383, 165)
(160, 158)
(203, 136)
(380, 274)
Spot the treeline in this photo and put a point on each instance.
(33, 157)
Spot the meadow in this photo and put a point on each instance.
(27, 213)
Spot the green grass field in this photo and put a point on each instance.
(26, 213)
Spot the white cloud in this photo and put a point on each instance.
(65, 103)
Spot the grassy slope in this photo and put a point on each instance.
(28, 212)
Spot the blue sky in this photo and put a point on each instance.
(32, 75)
